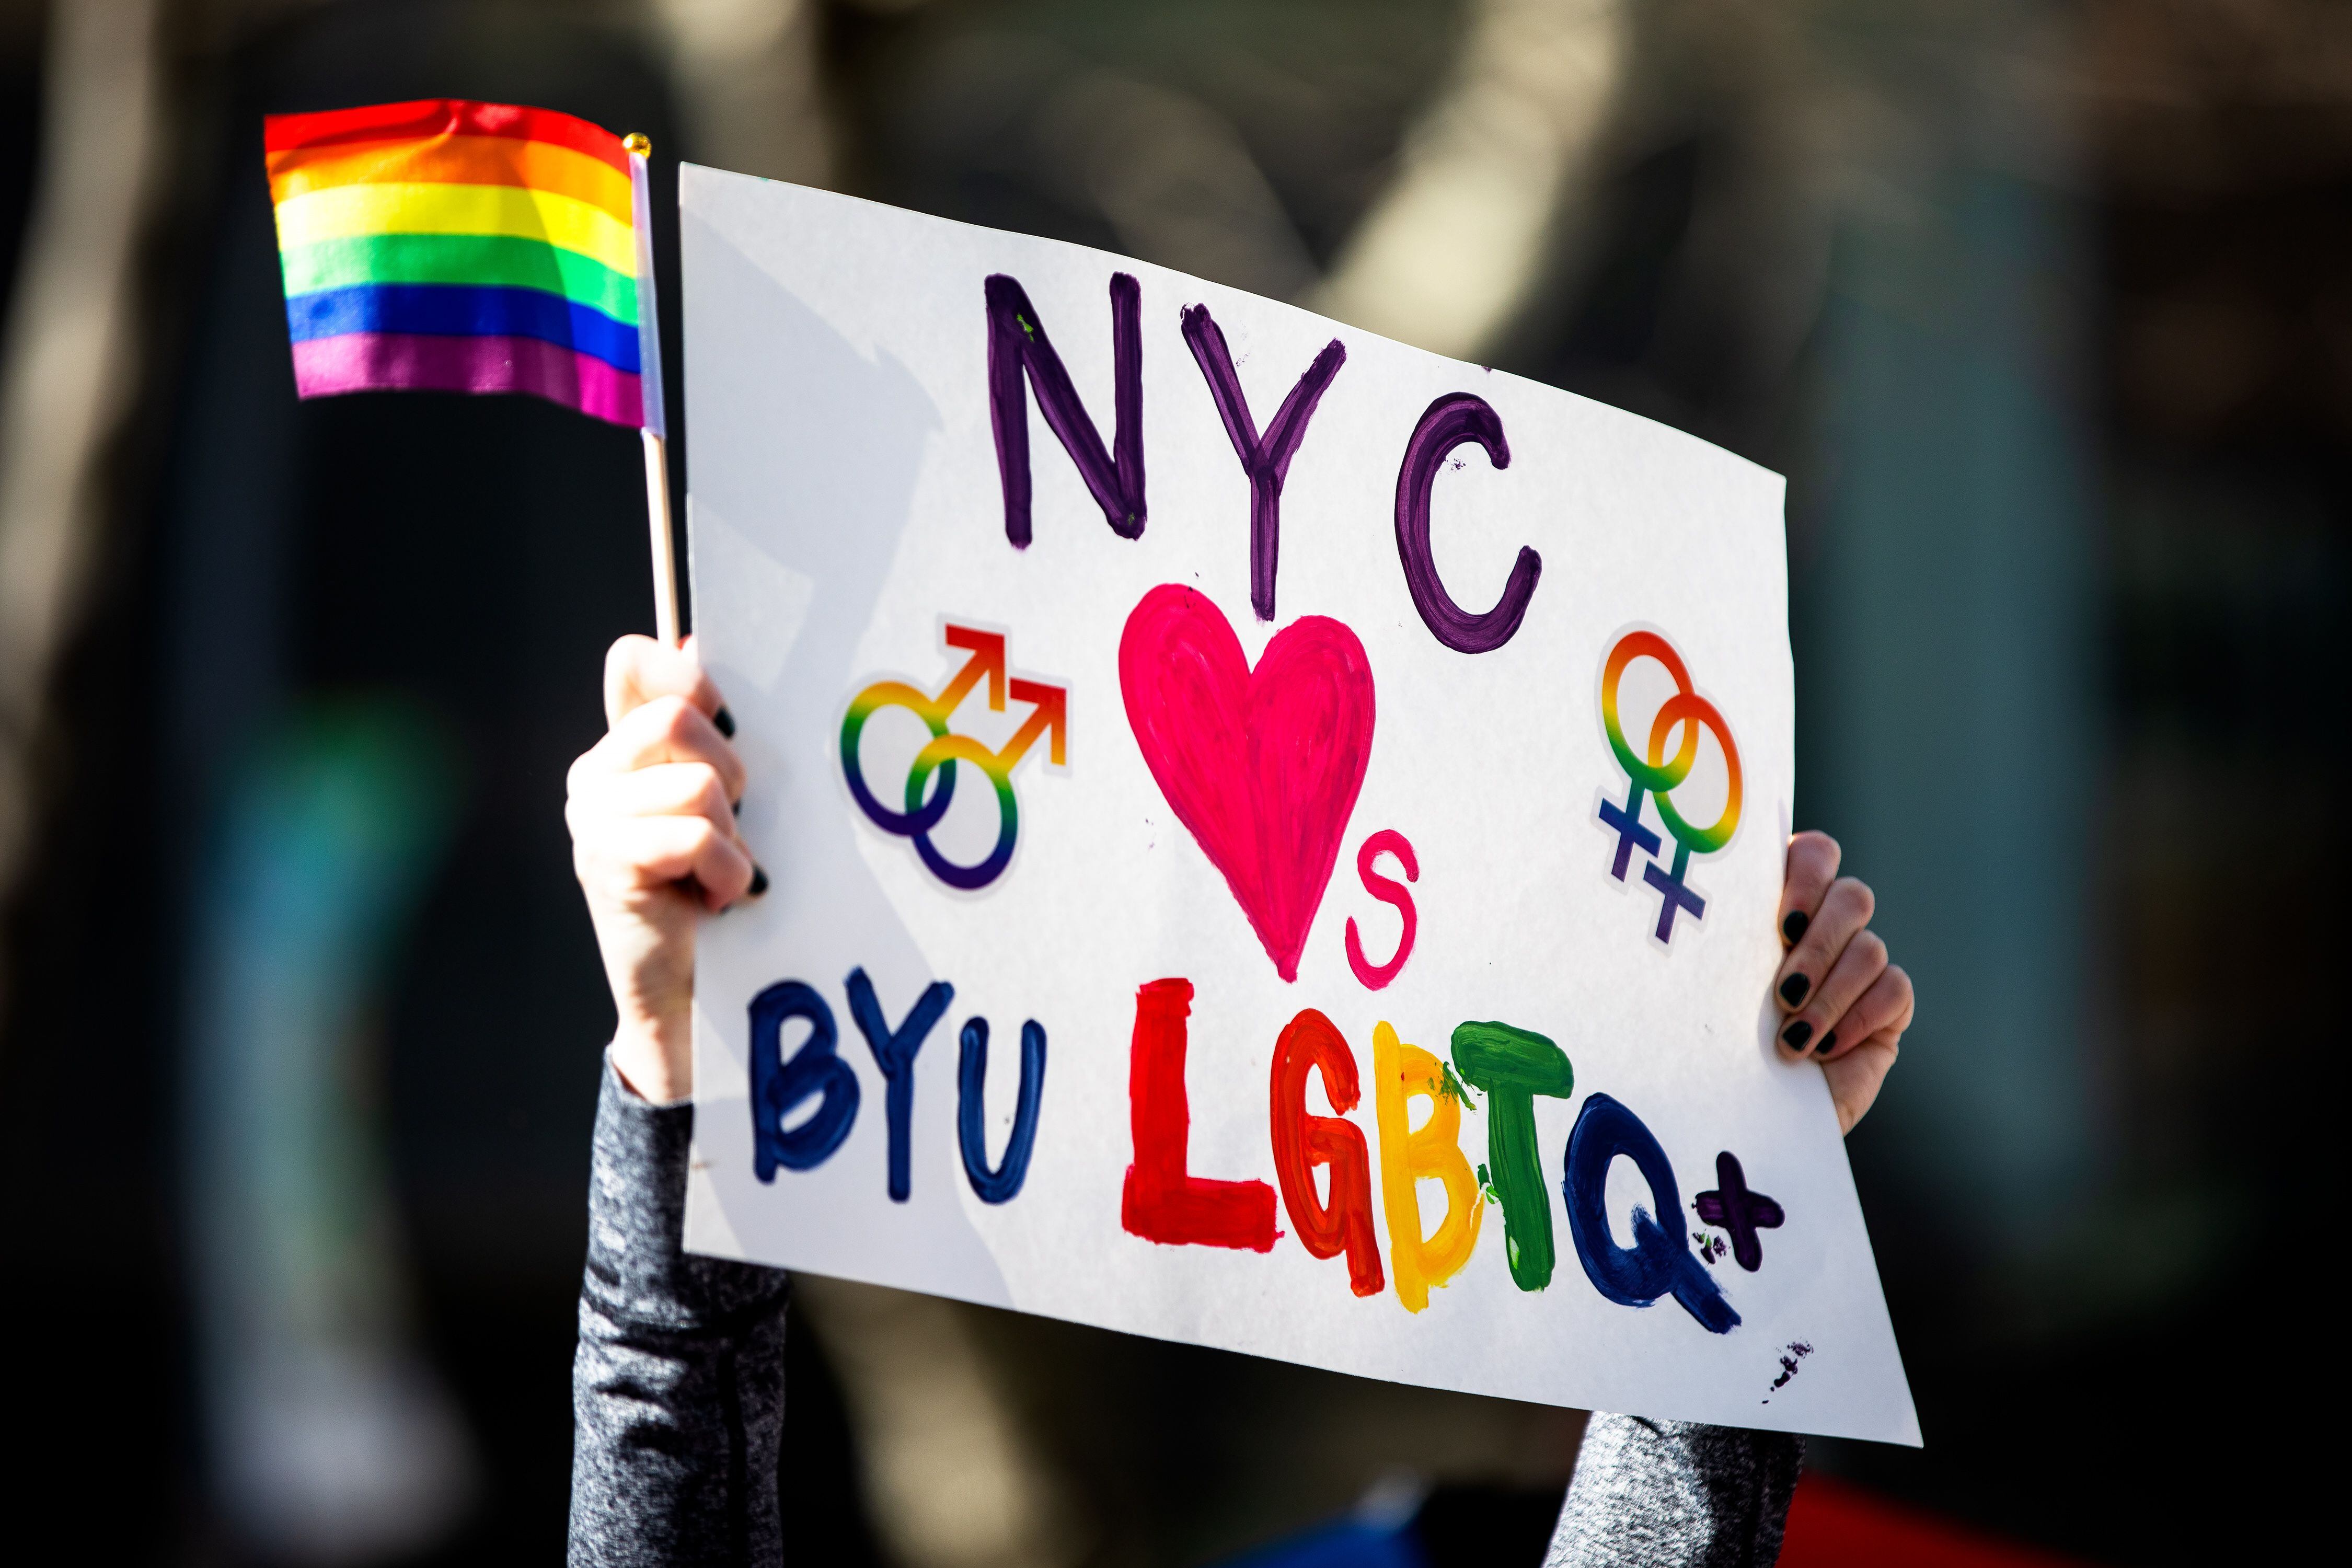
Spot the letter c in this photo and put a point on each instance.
(1453, 420)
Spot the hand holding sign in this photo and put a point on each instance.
(1854, 1021)
(653, 842)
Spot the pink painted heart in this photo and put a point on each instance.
(1262, 766)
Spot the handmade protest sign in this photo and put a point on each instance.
(1275, 834)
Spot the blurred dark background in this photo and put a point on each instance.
(2045, 308)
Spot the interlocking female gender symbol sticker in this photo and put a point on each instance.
(920, 815)
(1679, 720)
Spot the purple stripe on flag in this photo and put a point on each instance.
(412, 362)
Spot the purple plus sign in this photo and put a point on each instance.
(1738, 1211)
(1627, 822)
(1676, 895)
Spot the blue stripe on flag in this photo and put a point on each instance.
(447, 310)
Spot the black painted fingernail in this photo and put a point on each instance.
(725, 720)
(1797, 1034)
(1828, 1044)
(758, 882)
(1794, 926)
(1793, 989)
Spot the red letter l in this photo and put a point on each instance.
(1162, 1203)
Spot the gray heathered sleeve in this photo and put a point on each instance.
(1675, 1494)
(677, 1389)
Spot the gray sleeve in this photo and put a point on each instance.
(1675, 1494)
(677, 1389)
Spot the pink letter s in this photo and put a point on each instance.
(1388, 891)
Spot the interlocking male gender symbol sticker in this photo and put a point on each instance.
(1680, 718)
(919, 814)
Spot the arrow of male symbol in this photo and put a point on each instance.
(1050, 717)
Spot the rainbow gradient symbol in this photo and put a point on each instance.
(945, 750)
(1687, 713)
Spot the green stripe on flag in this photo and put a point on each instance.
(472, 258)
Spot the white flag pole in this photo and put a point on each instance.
(656, 433)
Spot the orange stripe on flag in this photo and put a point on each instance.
(452, 160)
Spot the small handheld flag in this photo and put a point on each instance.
(450, 245)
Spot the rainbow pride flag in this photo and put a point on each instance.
(456, 246)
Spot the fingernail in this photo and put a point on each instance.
(1795, 1036)
(1828, 1044)
(758, 882)
(1793, 989)
(725, 720)
(1794, 926)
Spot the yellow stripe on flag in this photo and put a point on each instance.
(346, 212)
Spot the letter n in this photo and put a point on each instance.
(1017, 346)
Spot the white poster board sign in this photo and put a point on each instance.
(1275, 834)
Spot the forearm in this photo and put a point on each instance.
(1675, 1494)
(678, 1386)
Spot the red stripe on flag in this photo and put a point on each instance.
(430, 117)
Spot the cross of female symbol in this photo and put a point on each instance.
(1676, 893)
(1738, 1211)
(1682, 715)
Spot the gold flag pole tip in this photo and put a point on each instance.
(640, 143)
